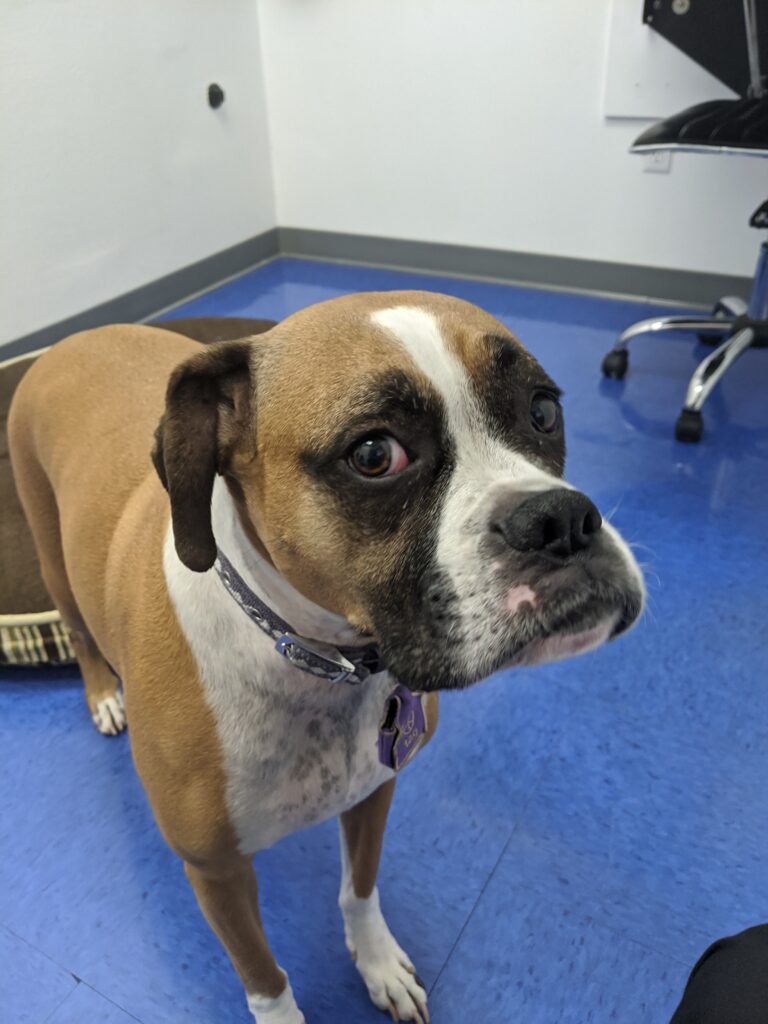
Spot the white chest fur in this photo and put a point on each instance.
(296, 749)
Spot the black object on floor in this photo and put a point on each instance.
(729, 984)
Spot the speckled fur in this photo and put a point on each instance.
(296, 749)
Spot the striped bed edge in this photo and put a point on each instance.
(39, 639)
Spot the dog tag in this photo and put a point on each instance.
(402, 728)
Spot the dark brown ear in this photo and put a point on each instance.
(207, 407)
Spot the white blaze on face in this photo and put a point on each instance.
(486, 471)
(418, 332)
(478, 452)
(484, 467)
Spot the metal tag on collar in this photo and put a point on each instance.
(316, 657)
(402, 728)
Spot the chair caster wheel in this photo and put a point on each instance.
(615, 364)
(689, 426)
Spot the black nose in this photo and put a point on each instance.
(559, 521)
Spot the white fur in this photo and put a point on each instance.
(109, 718)
(282, 1010)
(418, 332)
(297, 749)
(485, 469)
(385, 968)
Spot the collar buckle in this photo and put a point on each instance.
(317, 657)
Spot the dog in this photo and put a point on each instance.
(348, 513)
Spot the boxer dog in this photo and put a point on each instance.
(348, 513)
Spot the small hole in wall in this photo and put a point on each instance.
(215, 95)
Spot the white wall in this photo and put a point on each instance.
(481, 122)
(114, 169)
(478, 122)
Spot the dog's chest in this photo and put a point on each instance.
(294, 760)
(296, 749)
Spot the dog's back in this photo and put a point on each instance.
(90, 402)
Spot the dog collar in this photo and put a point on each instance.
(337, 664)
(404, 722)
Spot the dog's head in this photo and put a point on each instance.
(399, 457)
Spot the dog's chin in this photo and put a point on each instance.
(542, 650)
(533, 643)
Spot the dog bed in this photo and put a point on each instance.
(31, 631)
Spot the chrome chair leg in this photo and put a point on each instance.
(731, 305)
(690, 424)
(744, 324)
(758, 300)
(616, 362)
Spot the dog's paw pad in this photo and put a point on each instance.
(109, 717)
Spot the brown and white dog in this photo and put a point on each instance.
(380, 468)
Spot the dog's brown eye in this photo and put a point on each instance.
(378, 456)
(545, 413)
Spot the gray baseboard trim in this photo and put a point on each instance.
(621, 280)
(151, 298)
(625, 280)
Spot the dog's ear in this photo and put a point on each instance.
(208, 405)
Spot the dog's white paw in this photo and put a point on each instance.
(109, 717)
(386, 969)
(282, 1010)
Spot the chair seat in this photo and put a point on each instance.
(739, 125)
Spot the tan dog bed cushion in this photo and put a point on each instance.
(31, 632)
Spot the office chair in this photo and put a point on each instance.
(724, 126)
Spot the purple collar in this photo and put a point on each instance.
(404, 722)
(337, 664)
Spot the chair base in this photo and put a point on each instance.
(733, 326)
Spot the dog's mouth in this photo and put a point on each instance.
(568, 612)
(557, 615)
(577, 631)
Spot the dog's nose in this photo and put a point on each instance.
(559, 521)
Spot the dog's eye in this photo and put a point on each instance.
(378, 456)
(545, 412)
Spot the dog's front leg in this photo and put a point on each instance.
(228, 896)
(387, 971)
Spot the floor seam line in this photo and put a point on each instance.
(59, 1005)
(491, 873)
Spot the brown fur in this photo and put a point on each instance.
(81, 429)
(363, 828)
(301, 529)
(110, 537)
(364, 824)
(208, 329)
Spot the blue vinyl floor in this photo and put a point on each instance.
(575, 836)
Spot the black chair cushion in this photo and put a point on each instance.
(736, 124)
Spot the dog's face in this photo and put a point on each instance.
(399, 458)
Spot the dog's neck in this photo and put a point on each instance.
(304, 616)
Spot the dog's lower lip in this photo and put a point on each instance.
(564, 645)
(613, 612)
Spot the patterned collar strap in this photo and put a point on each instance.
(337, 664)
